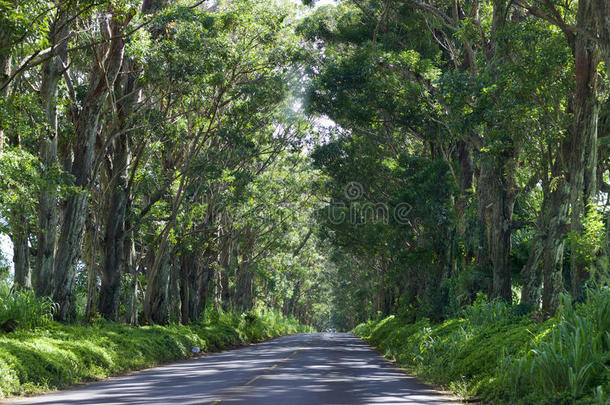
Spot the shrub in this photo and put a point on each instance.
(482, 312)
(58, 355)
(498, 353)
(571, 363)
(465, 355)
(24, 307)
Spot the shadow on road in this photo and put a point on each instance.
(303, 369)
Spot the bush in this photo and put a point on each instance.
(24, 307)
(58, 355)
(482, 312)
(571, 364)
(463, 354)
(498, 353)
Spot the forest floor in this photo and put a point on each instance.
(58, 355)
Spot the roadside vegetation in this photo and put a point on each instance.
(441, 166)
(502, 354)
(468, 189)
(47, 355)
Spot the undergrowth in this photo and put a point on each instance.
(58, 355)
(24, 308)
(500, 354)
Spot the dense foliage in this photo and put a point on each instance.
(24, 308)
(152, 160)
(470, 153)
(165, 159)
(63, 355)
(497, 353)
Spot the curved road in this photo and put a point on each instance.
(307, 369)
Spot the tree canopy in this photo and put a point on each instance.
(161, 158)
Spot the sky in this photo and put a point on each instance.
(6, 250)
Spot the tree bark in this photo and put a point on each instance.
(225, 248)
(47, 207)
(156, 295)
(583, 134)
(601, 22)
(114, 237)
(156, 305)
(531, 275)
(556, 219)
(92, 239)
(496, 202)
(174, 303)
(245, 276)
(206, 281)
(21, 252)
(131, 269)
(188, 287)
(545, 261)
(87, 126)
(5, 74)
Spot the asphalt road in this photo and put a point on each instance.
(307, 369)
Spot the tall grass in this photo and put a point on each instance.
(571, 364)
(24, 307)
(499, 353)
(483, 312)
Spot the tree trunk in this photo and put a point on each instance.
(92, 239)
(185, 290)
(291, 304)
(174, 303)
(5, 73)
(86, 131)
(601, 22)
(531, 275)
(21, 252)
(244, 281)
(156, 305)
(245, 276)
(127, 93)
(47, 207)
(224, 261)
(206, 281)
(583, 134)
(196, 275)
(553, 251)
(188, 287)
(20, 232)
(218, 283)
(545, 258)
(496, 202)
(131, 269)
(114, 238)
(156, 295)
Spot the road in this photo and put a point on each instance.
(304, 369)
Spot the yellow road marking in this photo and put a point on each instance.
(270, 368)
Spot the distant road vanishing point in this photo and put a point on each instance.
(303, 369)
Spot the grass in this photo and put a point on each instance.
(58, 355)
(25, 308)
(497, 353)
